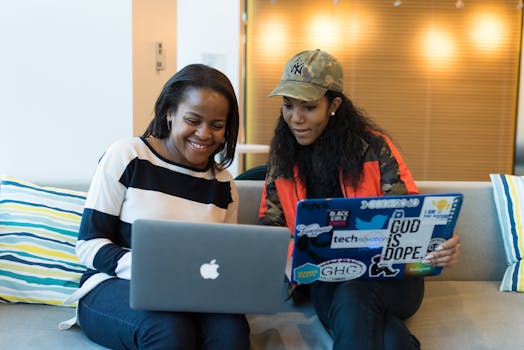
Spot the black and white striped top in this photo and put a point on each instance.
(133, 181)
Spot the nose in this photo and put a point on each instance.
(296, 116)
(203, 131)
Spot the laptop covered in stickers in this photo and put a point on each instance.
(339, 239)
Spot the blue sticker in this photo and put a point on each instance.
(376, 222)
(306, 273)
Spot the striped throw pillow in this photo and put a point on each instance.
(38, 232)
(508, 192)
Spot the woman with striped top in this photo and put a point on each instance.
(175, 171)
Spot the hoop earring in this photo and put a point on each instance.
(168, 122)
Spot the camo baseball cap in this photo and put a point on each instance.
(308, 75)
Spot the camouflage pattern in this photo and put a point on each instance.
(274, 214)
(308, 75)
(378, 150)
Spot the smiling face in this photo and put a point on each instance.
(198, 127)
(307, 120)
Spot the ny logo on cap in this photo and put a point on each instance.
(297, 68)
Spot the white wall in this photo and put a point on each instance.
(65, 85)
(208, 31)
(66, 74)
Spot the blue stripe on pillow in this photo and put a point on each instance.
(18, 235)
(50, 282)
(11, 257)
(71, 232)
(513, 208)
(59, 192)
(37, 205)
(515, 276)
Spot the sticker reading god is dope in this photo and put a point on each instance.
(341, 270)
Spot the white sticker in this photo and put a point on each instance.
(358, 238)
(312, 230)
(337, 270)
(437, 208)
(407, 242)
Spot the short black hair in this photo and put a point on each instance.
(173, 93)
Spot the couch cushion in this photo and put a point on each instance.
(508, 191)
(32, 326)
(38, 232)
(250, 193)
(468, 315)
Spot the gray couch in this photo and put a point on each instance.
(462, 308)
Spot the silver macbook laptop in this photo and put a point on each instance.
(207, 267)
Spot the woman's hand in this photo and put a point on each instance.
(446, 254)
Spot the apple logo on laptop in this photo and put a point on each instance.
(209, 270)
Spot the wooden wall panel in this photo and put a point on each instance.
(442, 81)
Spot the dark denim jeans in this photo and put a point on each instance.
(363, 314)
(106, 318)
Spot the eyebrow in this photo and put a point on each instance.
(214, 118)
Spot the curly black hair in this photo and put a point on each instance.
(340, 146)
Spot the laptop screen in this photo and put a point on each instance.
(339, 239)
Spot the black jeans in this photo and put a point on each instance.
(363, 314)
(106, 318)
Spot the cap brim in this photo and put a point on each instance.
(299, 90)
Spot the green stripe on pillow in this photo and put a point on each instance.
(38, 232)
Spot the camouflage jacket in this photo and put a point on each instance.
(384, 173)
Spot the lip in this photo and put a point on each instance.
(301, 132)
(199, 146)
